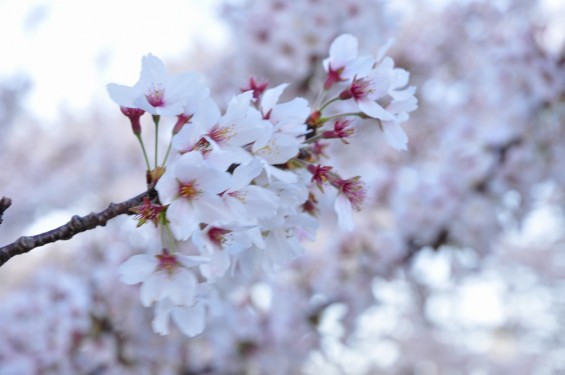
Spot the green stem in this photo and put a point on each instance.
(320, 97)
(170, 238)
(168, 151)
(313, 139)
(328, 103)
(138, 136)
(156, 121)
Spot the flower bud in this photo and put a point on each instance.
(134, 114)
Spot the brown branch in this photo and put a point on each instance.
(76, 225)
(5, 203)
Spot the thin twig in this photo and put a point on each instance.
(76, 225)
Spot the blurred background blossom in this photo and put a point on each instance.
(457, 263)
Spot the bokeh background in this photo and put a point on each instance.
(456, 266)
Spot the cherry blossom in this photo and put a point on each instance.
(163, 275)
(343, 63)
(190, 188)
(157, 92)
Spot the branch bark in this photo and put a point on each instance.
(5, 203)
(76, 225)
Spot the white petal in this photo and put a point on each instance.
(260, 202)
(373, 109)
(342, 50)
(213, 181)
(208, 112)
(400, 106)
(186, 166)
(359, 67)
(217, 267)
(160, 323)
(123, 95)
(183, 219)
(245, 173)
(401, 77)
(384, 49)
(279, 247)
(151, 290)
(180, 87)
(294, 112)
(192, 260)
(285, 176)
(189, 320)
(271, 97)
(167, 187)
(212, 209)
(344, 212)
(395, 135)
(137, 268)
(181, 287)
(153, 72)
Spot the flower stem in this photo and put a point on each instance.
(156, 121)
(138, 136)
(326, 104)
(320, 97)
(168, 151)
(313, 139)
(170, 239)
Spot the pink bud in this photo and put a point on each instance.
(257, 85)
(134, 114)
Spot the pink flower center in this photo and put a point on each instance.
(354, 190)
(156, 95)
(188, 190)
(361, 88)
(167, 263)
(218, 235)
(220, 135)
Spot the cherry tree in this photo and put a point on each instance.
(335, 212)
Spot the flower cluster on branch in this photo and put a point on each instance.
(237, 189)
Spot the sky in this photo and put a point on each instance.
(71, 49)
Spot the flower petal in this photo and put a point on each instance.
(189, 320)
(137, 268)
(160, 323)
(395, 135)
(122, 95)
(344, 212)
(183, 219)
(373, 109)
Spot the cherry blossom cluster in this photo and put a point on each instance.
(237, 189)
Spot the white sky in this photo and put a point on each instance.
(71, 49)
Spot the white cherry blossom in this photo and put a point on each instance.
(157, 92)
(343, 64)
(190, 187)
(163, 275)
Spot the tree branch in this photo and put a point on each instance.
(76, 225)
(5, 203)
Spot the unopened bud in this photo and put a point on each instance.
(134, 114)
(257, 85)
